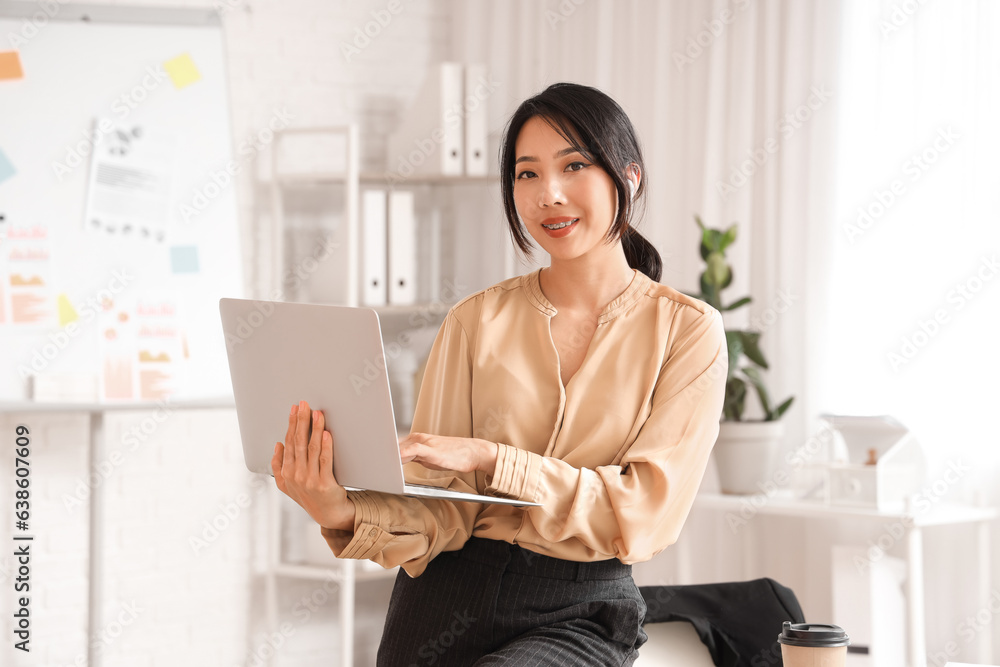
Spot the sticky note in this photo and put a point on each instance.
(67, 313)
(182, 71)
(10, 65)
(184, 259)
(6, 168)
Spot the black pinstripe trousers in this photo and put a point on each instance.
(493, 603)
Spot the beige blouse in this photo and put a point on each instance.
(615, 457)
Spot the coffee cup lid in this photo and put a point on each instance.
(812, 634)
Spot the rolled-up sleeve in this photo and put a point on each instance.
(396, 530)
(635, 509)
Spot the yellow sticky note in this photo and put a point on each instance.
(67, 313)
(182, 71)
(10, 65)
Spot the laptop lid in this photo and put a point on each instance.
(332, 357)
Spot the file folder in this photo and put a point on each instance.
(429, 139)
(475, 121)
(374, 280)
(402, 248)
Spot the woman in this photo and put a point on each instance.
(585, 386)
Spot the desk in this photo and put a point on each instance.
(913, 524)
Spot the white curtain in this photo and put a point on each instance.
(785, 117)
(914, 314)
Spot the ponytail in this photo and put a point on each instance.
(641, 254)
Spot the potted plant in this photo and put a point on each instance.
(745, 450)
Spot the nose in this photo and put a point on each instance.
(550, 193)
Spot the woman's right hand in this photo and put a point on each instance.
(303, 470)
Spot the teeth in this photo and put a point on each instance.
(561, 224)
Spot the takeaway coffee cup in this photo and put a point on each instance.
(813, 645)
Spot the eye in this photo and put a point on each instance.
(576, 166)
(527, 173)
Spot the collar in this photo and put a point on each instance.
(617, 306)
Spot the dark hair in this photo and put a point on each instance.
(595, 125)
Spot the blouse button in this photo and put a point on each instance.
(372, 533)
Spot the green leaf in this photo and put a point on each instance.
(780, 410)
(736, 304)
(728, 238)
(729, 278)
(711, 294)
(751, 348)
(758, 383)
(735, 400)
(703, 246)
(718, 271)
(734, 347)
(714, 239)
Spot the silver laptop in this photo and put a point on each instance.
(281, 353)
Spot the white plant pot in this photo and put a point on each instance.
(745, 455)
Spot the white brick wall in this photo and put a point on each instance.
(59, 553)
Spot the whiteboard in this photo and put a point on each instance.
(119, 228)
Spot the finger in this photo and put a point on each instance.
(302, 435)
(415, 451)
(326, 459)
(289, 450)
(276, 466)
(312, 453)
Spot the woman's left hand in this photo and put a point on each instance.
(439, 452)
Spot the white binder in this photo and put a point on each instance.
(402, 248)
(475, 101)
(374, 280)
(429, 139)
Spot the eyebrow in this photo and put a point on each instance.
(531, 158)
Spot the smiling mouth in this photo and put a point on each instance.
(560, 225)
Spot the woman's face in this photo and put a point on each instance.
(554, 185)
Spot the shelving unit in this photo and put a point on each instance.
(345, 573)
